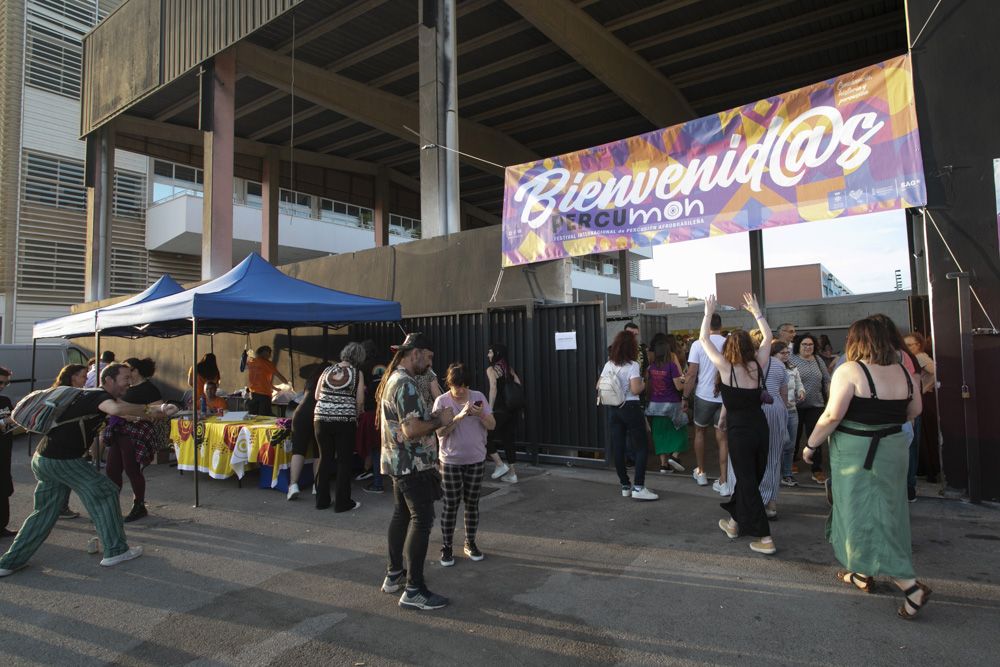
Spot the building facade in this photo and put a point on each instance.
(782, 284)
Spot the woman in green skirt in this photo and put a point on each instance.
(665, 407)
(871, 397)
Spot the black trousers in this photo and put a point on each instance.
(336, 447)
(807, 423)
(748, 445)
(412, 519)
(259, 404)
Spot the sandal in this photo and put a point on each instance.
(861, 582)
(902, 612)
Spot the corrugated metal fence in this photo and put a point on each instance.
(562, 422)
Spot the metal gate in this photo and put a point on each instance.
(562, 421)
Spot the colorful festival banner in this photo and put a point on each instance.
(843, 147)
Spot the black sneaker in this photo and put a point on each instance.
(367, 474)
(67, 513)
(421, 598)
(138, 511)
(393, 582)
(371, 488)
(447, 558)
(473, 552)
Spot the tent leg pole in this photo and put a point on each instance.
(97, 382)
(34, 352)
(291, 361)
(195, 406)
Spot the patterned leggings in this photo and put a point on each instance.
(461, 483)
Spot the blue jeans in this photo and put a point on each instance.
(788, 453)
(914, 430)
(628, 429)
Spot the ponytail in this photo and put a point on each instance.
(390, 369)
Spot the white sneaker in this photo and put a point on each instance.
(699, 477)
(676, 465)
(111, 561)
(500, 471)
(626, 490)
(510, 477)
(4, 572)
(642, 493)
(293, 491)
(722, 488)
(314, 489)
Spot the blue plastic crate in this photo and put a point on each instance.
(305, 479)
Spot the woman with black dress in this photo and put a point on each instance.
(741, 382)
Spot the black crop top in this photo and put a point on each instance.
(874, 410)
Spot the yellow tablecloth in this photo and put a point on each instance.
(230, 447)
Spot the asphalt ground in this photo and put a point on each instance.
(574, 574)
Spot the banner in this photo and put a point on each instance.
(846, 146)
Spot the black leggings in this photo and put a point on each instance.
(336, 446)
(504, 435)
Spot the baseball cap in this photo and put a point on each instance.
(415, 340)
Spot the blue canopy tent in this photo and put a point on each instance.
(85, 323)
(252, 297)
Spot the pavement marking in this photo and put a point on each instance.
(267, 651)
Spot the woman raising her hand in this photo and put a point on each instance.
(741, 382)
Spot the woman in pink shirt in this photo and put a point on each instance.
(462, 457)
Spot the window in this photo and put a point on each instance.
(342, 213)
(400, 225)
(54, 181)
(173, 180)
(295, 203)
(130, 195)
(84, 12)
(53, 61)
(255, 195)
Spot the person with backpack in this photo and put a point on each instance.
(619, 387)
(506, 398)
(59, 467)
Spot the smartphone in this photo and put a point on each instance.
(478, 404)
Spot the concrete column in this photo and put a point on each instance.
(382, 207)
(217, 121)
(270, 189)
(439, 195)
(624, 283)
(100, 182)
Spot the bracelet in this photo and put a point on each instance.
(812, 448)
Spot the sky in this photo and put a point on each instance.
(862, 251)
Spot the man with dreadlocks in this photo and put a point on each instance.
(409, 456)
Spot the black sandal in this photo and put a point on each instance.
(862, 583)
(902, 612)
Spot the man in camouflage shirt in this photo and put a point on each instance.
(409, 456)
